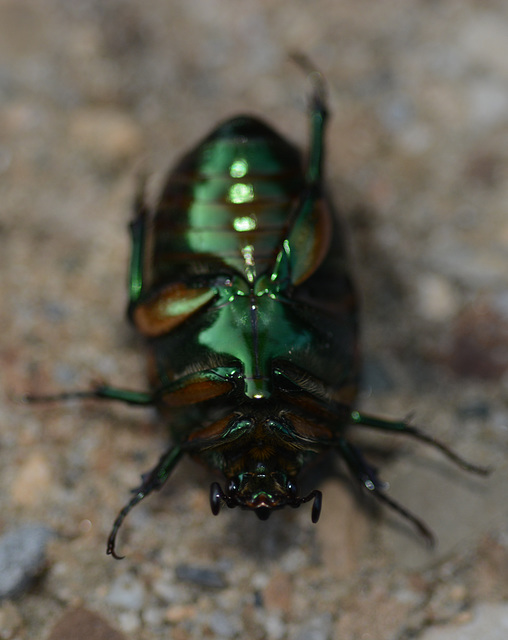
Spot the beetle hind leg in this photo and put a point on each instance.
(367, 476)
(318, 112)
(138, 229)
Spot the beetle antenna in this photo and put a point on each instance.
(316, 505)
(217, 497)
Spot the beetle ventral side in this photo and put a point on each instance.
(239, 281)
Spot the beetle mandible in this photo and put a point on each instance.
(239, 281)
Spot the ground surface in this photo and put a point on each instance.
(417, 159)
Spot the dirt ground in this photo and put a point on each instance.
(91, 92)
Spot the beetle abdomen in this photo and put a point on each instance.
(227, 204)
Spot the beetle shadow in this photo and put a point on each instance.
(391, 354)
(380, 282)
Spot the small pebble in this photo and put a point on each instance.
(153, 616)
(488, 622)
(274, 625)
(480, 342)
(487, 101)
(375, 377)
(474, 409)
(81, 624)
(32, 481)
(436, 298)
(222, 625)
(109, 137)
(278, 592)
(342, 531)
(22, 558)
(129, 621)
(319, 628)
(167, 591)
(294, 560)
(475, 32)
(179, 613)
(10, 620)
(200, 575)
(127, 592)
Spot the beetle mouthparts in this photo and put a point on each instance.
(263, 513)
(217, 497)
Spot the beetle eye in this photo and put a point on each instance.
(232, 487)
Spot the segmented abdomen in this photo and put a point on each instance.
(226, 206)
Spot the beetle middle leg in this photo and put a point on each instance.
(402, 427)
(99, 392)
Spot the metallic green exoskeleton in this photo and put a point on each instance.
(238, 279)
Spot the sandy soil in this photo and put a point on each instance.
(418, 161)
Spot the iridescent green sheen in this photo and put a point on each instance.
(241, 221)
(242, 173)
(239, 280)
(253, 320)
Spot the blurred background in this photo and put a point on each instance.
(91, 92)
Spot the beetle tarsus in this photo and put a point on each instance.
(427, 533)
(110, 550)
(367, 476)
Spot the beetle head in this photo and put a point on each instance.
(260, 456)
(262, 493)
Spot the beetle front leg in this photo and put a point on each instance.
(152, 481)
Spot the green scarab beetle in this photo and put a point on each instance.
(239, 281)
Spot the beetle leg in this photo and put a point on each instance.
(152, 481)
(310, 230)
(189, 389)
(138, 229)
(318, 116)
(401, 426)
(366, 474)
(127, 396)
(100, 392)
